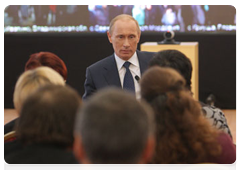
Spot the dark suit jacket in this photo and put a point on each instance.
(105, 73)
(17, 153)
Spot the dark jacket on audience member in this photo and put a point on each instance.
(228, 151)
(16, 153)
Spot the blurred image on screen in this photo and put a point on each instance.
(96, 18)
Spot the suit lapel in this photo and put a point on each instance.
(142, 62)
(111, 72)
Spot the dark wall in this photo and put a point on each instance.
(217, 59)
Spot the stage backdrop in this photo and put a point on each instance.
(217, 59)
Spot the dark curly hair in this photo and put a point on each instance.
(183, 134)
(176, 60)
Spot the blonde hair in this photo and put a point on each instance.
(31, 80)
(122, 17)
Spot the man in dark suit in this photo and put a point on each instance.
(123, 68)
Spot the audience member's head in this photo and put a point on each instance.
(47, 59)
(48, 116)
(31, 80)
(113, 127)
(183, 134)
(155, 84)
(176, 60)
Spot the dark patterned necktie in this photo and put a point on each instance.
(128, 82)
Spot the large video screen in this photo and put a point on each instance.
(96, 18)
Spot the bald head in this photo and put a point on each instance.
(122, 17)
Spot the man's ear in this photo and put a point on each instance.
(78, 149)
(109, 37)
(149, 150)
(139, 36)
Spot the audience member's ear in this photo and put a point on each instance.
(78, 150)
(148, 151)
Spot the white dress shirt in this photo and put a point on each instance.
(134, 68)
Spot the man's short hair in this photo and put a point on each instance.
(176, 60)
(122, 16)
(114, 127)
(48, 116)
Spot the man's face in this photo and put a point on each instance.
(124, 38)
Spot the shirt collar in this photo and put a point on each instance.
(133, 60)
